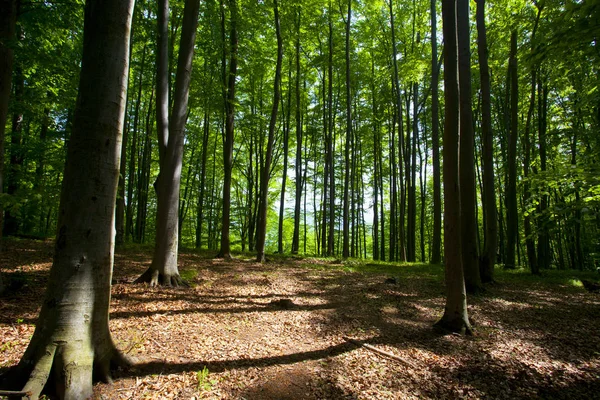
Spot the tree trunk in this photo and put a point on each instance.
(347, 168)
(286, 148)
(8, 21)
(468, 203)
(163, 269)
(266, 167)
(488, 257)
(16, 151)
(298, 166)
(511, 190)
(200, 207)
(72, 335)
(436, 242)
(331, 138)
(455, 316)
(229, 83)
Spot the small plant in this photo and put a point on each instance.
(204, 383)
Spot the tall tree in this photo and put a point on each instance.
(347, 167)
(8, 21)
(171, 133)
(229, 84)
(488, 256)
(72, 337)
(511, 190)
(455, 316)
(468, 204)
(298, 117)
(265, 170)
(435, 138)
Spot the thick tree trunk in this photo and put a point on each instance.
(468, 203)
(229, 81)
(8, 21)
(436, 242)
(488, 257)
(511, 190)
(265, 171)
(455, 316)
(163, 269)
(72, 335)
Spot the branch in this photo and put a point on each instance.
(380, 352)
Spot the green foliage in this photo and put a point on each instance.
(204, 382)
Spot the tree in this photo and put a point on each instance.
(72, 337)
(229, 97)
(265, 171)
(298, 166)
(455, 316)
(8, 20)
(435, 138)
(488, 256)
(470, 258)
(511, 190)
(171, 133)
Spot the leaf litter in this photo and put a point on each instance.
(244, 330)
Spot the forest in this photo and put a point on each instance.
(313, 160)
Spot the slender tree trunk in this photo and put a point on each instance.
(225, 251)
(435, 138)
(286, 144)
(347, 167)
(163, 269)
(16, 151)
(543, 220)
(511, 190)
(266, 167)
(488, 257)
(134, 149)
(72, 337)
(204, 156)
(468, 203)
(455, 316)
(331, 138)
(298, 166)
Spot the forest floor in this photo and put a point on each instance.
(230, 336)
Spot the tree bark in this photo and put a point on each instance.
(489, 195)
(266, 167)
(455, 316)
(72, 334)
(436, 242)
(229, 83)
(163, 269)
(299, 134)
(468, 203)
(511, 190)
(347, 167)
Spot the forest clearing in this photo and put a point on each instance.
(534, 337)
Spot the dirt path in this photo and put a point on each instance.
(276, 331)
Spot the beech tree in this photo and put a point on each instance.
(171, 133)
(8, 20)
(72, 337)
(455, 316)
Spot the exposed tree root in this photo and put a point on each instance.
(66, 370)
(154, 278)
(454, 325)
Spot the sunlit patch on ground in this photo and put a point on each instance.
(277, 331)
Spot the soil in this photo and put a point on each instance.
(280, 330)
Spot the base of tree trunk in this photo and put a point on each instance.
(454, 324)
(64, 369)
(474, 289)
(156, 278)
(226, 256)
